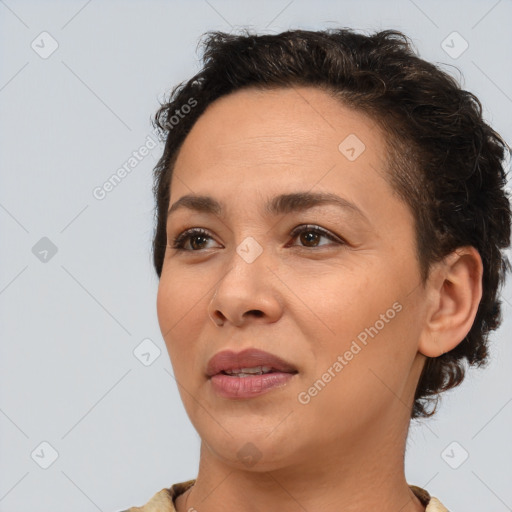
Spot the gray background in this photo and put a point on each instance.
(70, 324)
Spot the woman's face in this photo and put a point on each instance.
(333, 290)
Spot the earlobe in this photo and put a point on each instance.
(455, 291)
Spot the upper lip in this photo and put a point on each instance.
(249, 358)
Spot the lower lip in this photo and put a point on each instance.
(229, 386)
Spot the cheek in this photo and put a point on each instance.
(354, 383)
(365, 321)
(342, 303)
(167, 306)
(179, 309)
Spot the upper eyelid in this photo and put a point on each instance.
(196, 231)
(319, 229)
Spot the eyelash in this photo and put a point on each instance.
(179, 242)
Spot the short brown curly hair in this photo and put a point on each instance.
(444, 161)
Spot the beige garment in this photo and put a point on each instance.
(163, 501)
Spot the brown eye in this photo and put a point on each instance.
(309, 238)
(310, 235)
(196, 237)
(197, 241)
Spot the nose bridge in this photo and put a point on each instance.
(246, 285)
(247, 264)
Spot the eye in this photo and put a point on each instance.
(196, 237)
(310, 235)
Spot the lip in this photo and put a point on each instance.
(230, 360)
(233, 387)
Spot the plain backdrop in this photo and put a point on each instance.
(87, 422)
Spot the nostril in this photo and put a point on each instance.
(218, 318)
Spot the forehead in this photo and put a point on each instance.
(299, 132)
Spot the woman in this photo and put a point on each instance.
(330, 220)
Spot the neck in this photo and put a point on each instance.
(366, 473)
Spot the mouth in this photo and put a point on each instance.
(248, 374)
(247, 363)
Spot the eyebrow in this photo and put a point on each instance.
(278, 205)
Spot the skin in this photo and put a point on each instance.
(304, 299)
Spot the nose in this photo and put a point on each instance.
(247, 292)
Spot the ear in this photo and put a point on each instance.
(454, 293)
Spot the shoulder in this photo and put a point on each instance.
(432, 503)
(160, 502)
(163, 500)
